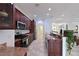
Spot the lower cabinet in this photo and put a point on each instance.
(55, 47)
(23, 41)
(18, 43)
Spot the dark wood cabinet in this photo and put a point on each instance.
(14, 15)
(21, 40)
(32, 28)
(19, 16)
(30, 25)
(6, 22)
(55, 47)
(18, 43)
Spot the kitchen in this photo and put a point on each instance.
(17, 30)
(37, 30)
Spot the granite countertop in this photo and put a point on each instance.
(54, 36)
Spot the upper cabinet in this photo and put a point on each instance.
(22, 21)
(6, 16)
(32, 26)
(12, 18)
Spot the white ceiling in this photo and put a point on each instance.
(61, 12)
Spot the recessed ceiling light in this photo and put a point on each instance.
(49, 9)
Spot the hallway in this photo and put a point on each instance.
(38, 47)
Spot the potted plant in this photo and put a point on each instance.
(70, 40)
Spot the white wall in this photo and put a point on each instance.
(47, 26)
(8, 37)
(64, 46)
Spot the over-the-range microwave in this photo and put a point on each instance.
(20, 25)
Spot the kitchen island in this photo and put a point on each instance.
(54, 45)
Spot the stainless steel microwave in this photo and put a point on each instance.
(20, 25)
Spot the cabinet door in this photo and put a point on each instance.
(50, 48)
(22, 18)
(6, 18)
(54, 47)
(57, 47)
(18, 44)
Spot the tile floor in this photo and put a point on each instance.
(37, 48)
